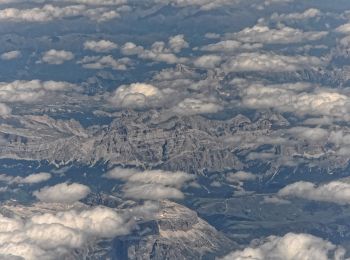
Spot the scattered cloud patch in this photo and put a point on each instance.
(48, 13)
(307, 14)
(100, 46)
(57, 57)
(335, 191)
(11, 55)
(159, 51)
(62, 193)
(30, 179)
(151, 185)
(270, 62)
(105, 62)
(30, 91)
(281, 35)
(290, 246)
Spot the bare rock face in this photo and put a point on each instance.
(176, 233)
(151, 140)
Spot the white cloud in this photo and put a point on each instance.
(289, 247)
(30, 179)
(136, 95)
(335, 191)
(152, 185)
(100, 46)
(344, 28)
(159, 51)
(281, 35)
(240, 176)
(177, 43)
(57, 57)
(207, 61)
(307, 14)
(50, 12)
(298, 98)
(151, 191)
(11, 55)
(36, 178)
(62, 193)
(270, 62)
(30, 91)
(98, 62)
(230, 46)
(54, 235)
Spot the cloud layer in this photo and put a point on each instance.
(289, 247)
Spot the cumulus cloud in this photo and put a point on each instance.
(30, 91)
(98, 62)
(100, 46)
(152, 185)
(335, 191)
(307, 14)
(62, 193)
(230, 46)
(57, 57)
(290, 246)
(281, 35)
(50, 12)
(298, 98)
(159, 51)
(136, 95)
(30, 179)
(271, 62)
(240, 176)
(54, 235)
(177, 43)
(151, 191)
(11, 55)
(344, 28)
(207, 61)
